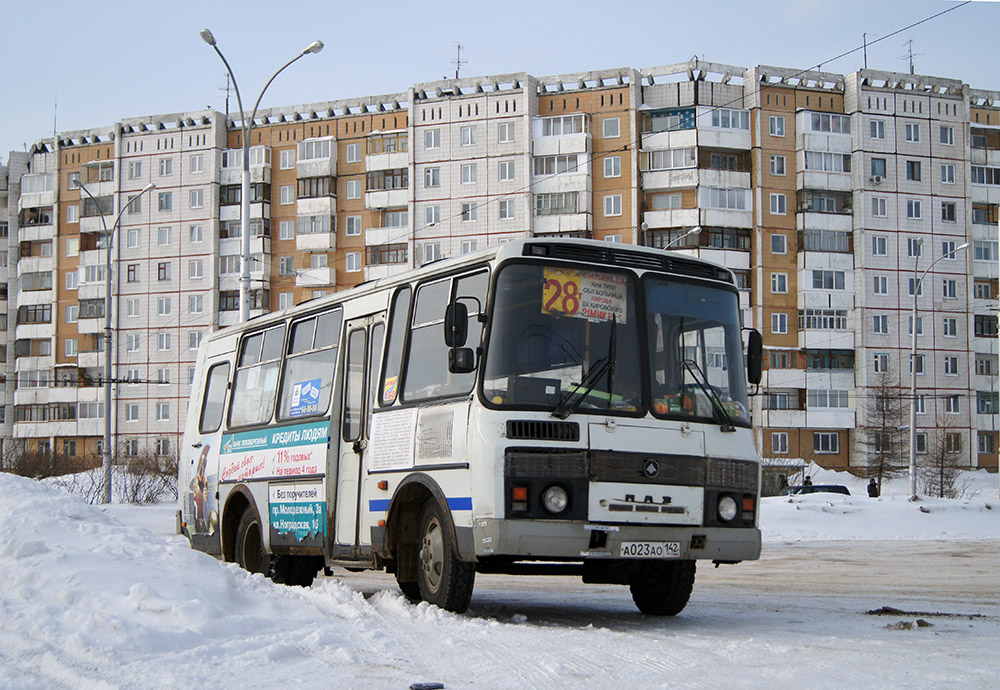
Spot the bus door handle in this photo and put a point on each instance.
(360, 445)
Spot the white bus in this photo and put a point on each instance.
(544, 406)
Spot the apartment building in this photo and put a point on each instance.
(827, 194)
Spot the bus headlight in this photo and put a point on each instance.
(727, 508)
(555, 499)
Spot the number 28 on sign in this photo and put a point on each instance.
(561, 292)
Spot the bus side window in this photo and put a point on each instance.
(214, 402)
(398, 318)
(378, 335)
(307, 378)
(256, 384)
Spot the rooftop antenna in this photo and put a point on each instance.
(458, 62)
(55, 115)
(226, 89)
(909, 53)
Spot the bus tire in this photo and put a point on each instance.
(249, 551)
(443, 579)
(410, 590)
(662, 588)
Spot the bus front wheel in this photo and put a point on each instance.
(662, 588)
(444, 580)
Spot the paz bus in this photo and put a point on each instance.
(545, 406)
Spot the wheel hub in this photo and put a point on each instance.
(432, 555)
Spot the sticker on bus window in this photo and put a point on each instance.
(585, 294)
(305, 397)
(389, 388)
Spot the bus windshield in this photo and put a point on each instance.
(564, 339)
(568, 340)
(695, 352)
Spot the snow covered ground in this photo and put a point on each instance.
(110, 598)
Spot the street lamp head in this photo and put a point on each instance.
(696, 230)
(313, 47)
(962, 246)
(207, 37)
(148, 188)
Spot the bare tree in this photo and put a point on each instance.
(941, 472)
(882, 430)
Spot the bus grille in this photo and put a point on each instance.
(732, 474)
(533, 463)
(539, 430)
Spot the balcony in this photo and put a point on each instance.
(724, 178)
(563, 182)
(724, 138)
(684, 178)
(316, 241)
(679, 139)
(258, 209)
(784, 378)
(389, 235)
(231, 171)
(826, 339)
(317, 158)
(317, 206)
(560, 145)
(562, 223)
(323, 276)
(830, 418)
(385, 270)
(817, 179)
(671, 218)
(727, 218)
(387, 161)
(386, 198)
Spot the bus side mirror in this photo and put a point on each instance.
(755, 357)
(461, 360)
(456, 324)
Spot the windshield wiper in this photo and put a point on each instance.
(606, 364)
(713, 397)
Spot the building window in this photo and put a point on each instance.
(613, 166)
(984, 325)
(950, 327)
(779, 283)
(163, 236)
(949, 288)
(194, 340)
(778, 204)
(286, 159)
(195, 304)
(920, 326)
(506, 209)
(196, 198)
(612, 205)
(352, 262)
(558, 203)
(912, 133)
(777, 165)
(163, 342)
(612, 128)
(913, 170)
(468, 246)
(352, 153)
(163, 306)
(432, 215)
(469, 173)
(134, 171)
(948, 174)
(879, 206)
(731, 119)
(285, 266)
(165, 201)
(951, 365)
(912, 283)
(986, 402)
(914, 246)
(779, 244)
(468, 135)
(826, 442)
(71, 347)
(432, 177)
(953, 443)
(880, 245)
(779, 442)
(828, 280)
(880, 324)
(880, 362)
(352, 189)
(947, 135)
(986, 365)
(878, 168)
(877, 129)
(132, 412)
(776, 124)
(163, 270)
(166, 167)
(779, 323)
(352, 226)
(162, 412)
(196, 234)
(287, 194)
(505, 132)
(987, 443)
(948, 211)
(470, 213)
(984, 250)
(432, 252)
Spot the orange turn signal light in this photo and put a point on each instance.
(519, 493)
(748, 503)
(383, 485)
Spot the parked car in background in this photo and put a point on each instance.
(816, 489)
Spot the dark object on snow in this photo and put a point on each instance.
(872, 488)
(807, 481)
(427, 686)
(816, 489)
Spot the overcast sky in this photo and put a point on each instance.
(103, 61)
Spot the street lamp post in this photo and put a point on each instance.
(693, 231)
(246, 127)
(913, 360)
(108, 340)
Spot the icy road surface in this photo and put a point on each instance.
(111, 599)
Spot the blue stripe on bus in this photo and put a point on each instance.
(377, 505)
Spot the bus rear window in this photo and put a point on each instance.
(214, 402)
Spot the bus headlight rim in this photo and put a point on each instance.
(555, 499)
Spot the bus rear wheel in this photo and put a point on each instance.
(662, 588)
(442, 578)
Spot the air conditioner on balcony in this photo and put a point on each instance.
(877, 179)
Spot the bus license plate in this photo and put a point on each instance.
(651, 549)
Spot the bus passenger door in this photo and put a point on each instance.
(362, 355)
